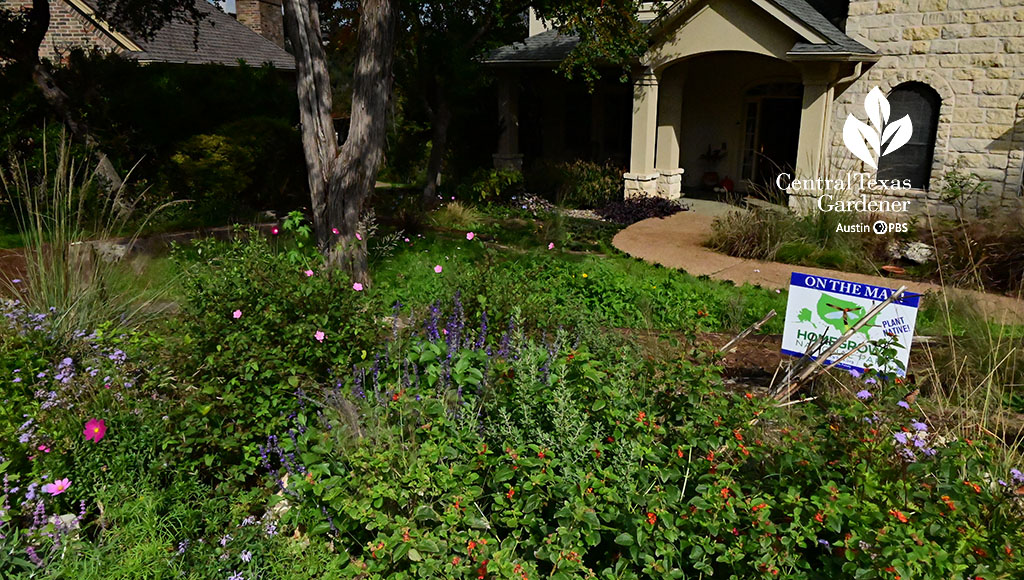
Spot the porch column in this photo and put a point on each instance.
(670, 120)
(508, 156)
(814, 119)
(642, 177)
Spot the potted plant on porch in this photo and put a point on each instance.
(711, 158)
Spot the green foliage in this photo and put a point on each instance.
(257, 360)
(958, 188)
(579, 183)
(255, 162)
(456, 215)
(813, 239)
(492, 185)
(438, 468)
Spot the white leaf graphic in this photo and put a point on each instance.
(877, 108)
(897, 134)
(857, 135)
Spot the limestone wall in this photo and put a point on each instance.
(971, 52)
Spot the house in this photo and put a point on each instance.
(256, 36)
(762, 91)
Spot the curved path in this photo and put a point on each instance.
(676, 242)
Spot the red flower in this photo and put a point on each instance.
(975, 486)
(652, 518)
(470, 546)
(540, 454)
(679, 452)
(759, 507)
(511, 492)
(640, 417)
(725, 493)
(749, 395)
(737, 435)
(899, 515)
(819, 517)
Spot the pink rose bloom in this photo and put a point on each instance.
(438, 268)
(470, 236)
(309, 273)
(335, 231)
(95, 429)
(236, 314)
(357, 287)
(57, 487)
(551, 246)
(319, 336)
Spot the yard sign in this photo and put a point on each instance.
(819, 305)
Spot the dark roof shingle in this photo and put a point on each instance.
(546, 47)
(221, 40)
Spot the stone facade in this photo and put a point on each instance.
(971, 52)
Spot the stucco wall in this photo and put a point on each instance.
(714, 93)
(971, 52)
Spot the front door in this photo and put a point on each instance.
(772, 135)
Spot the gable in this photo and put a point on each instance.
(723, 25)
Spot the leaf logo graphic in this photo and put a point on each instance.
(871, 142)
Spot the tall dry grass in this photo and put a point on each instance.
(62, 210)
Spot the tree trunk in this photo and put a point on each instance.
(58, 100)
(341, 180)
(438, 147)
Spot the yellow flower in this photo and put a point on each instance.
(584, 274)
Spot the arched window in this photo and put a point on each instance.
(913, 161)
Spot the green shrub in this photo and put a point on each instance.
(249, 337)
(579, 183)
(492, 185)
(519, 458)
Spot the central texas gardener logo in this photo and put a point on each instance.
(871, 142)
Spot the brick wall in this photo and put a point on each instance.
(266, 17)
(969, 51)
(68, 29)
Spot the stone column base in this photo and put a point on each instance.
(513, 161)
(640, 184)
(667, 183)
(670, 183)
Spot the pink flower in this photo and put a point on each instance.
(357, 287)
(438, 268)
(44, 448)
(319, 335)
(551, 246)
(57, 487)
(309, 273)
(359, 237)
(470, 236)
(236, 314)
(407, 240)
(275, 231)
(335, 231)
(95, 429)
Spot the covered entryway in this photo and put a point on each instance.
(736, 88)
(738, 118)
